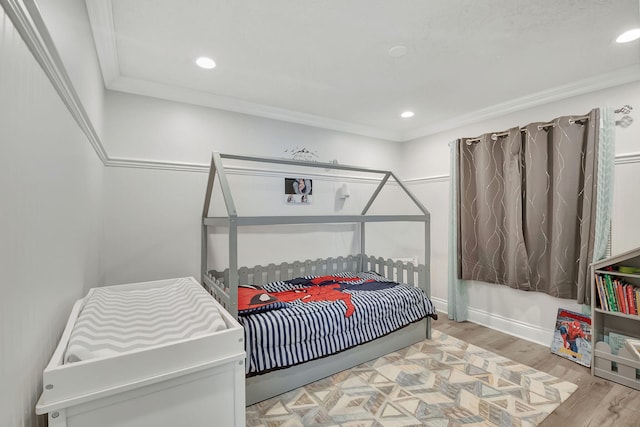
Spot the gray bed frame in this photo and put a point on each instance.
(223, 285)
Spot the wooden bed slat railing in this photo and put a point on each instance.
(398, 271)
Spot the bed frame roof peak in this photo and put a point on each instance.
(218, 168)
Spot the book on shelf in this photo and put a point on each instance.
(621, 300)
(601, 294)
(629, 293)
(616, 295)
(572, 337)
(610, 293)
(623, 297)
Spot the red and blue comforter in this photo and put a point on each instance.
(294, 321)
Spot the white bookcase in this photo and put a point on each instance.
(619, 368)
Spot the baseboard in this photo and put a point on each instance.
(441, 305)
(516, 328)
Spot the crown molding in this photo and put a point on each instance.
(206, 99)
(104, 35)
(101, 16)
(580, 87)
(27, 20)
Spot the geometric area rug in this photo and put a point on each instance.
(441, 382)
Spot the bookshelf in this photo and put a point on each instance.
(614, 316)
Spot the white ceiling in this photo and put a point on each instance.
(325, 62)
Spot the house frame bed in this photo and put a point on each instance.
(224, 285)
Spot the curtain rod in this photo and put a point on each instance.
(626, 109)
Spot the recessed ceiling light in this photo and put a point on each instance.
(407, 114)
(206, 63)
(629, 36)
(397, 51)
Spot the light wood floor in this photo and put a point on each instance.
(596, 402)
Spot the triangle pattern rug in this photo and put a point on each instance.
(438, 382)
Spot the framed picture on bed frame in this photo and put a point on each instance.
(298, 191)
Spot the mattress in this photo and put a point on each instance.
(116, 320)
(294, 321)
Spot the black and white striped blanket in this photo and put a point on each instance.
(304, 330)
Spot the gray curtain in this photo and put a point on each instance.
(527, 206)
(491, 241)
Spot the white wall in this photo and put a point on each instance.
(50, 223)
(527, 314)
(68, 25)
(152, 217)
(147, 128)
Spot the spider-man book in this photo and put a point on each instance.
(572, 337)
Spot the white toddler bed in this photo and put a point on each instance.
(161, 353)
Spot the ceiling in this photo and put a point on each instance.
(326, 63)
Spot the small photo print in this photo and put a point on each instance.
(298, 191)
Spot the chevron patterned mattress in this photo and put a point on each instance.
(114, 321)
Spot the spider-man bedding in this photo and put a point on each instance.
(294, 321)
